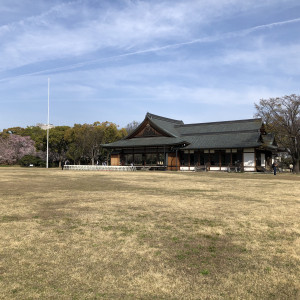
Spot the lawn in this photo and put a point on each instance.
(148, 235)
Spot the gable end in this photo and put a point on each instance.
(148, 129)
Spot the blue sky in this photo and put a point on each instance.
(197, 61)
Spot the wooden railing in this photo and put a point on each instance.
(99, 168)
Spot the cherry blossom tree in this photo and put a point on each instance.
(13, 147)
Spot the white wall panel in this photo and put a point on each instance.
(249, 160)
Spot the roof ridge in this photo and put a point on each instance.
(220, 122)
(163, 118)
(221, 132)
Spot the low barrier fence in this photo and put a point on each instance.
(99, 168)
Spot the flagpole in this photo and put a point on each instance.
(48, 124)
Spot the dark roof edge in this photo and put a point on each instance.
(150, 116)
(221, 122)
(180, 142)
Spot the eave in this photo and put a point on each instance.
(146, 142)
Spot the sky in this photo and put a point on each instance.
(116, 60)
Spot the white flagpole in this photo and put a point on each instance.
(47, 162)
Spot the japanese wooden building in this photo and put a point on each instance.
(163, 143)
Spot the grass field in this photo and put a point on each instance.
(148, 235)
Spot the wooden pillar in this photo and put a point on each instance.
(133, 155)
(243, 158)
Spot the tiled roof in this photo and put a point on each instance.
(168, 125)
(269, 140)
(144, 142)
(226, 134)
(152, 116)
(218, 127)
(224, 140)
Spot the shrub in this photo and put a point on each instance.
(27, 160)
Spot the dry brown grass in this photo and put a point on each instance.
(148, 235)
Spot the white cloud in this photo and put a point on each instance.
(191, 52)
(77, 28)
(65, 31)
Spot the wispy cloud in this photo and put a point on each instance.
(73, 29)
(271, 25)
(145, 55)
(210, 39)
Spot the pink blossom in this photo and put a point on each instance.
(14, 147)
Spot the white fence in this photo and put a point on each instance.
(99, 168)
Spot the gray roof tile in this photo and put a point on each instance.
(227, 134)
(227, 126)
(144, 142)
(225, 140)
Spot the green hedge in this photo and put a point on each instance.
(27, 160)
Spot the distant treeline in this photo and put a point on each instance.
(80, 144)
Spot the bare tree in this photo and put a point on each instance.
(282, 116)
(131, 126)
